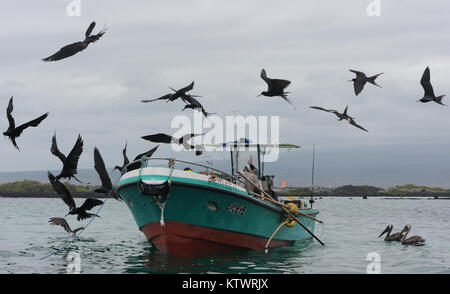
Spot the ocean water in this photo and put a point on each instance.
(113, 243)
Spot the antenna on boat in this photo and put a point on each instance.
(311, 201)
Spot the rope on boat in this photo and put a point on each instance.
(84, 228)
(276, 231)
(162, 205)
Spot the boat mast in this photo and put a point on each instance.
(311, 201)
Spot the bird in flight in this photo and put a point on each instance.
(66, 196)
(14, 132)
(275, 87)
(59, 221)
(428, 89)
(76, 47)
(100, 168)
(133, 166)
(341, 116)
(163, 138)
(70, 162)
(125, 159)
(361, 79)
(181, 93)
(193, 103)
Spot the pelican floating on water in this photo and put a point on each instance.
(413, 240)
(394, 237)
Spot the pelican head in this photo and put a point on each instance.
(388, 228)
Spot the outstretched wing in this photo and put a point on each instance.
(66, 51)
(9, 110)
(358, 86)
(159, 138)
(165, 97)
(280, 84)
(323, 109)
(62, 191)
(352, 122)
(99, 166)
(426, 83)
(89, 30)
(58, 221)
(74, 155)
(147, 154)
(358, 73)
(32, 123)
(125, 157)
(187, 88)
(263, 76)
(90, 203)
(55, 151)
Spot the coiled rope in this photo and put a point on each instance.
(84, 228)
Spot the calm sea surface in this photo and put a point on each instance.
(113, 244)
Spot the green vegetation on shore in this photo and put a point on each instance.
(350, 190)
(28, 186)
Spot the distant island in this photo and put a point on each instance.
(350, 190)
(35, 189)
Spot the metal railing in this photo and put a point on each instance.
(230, 178)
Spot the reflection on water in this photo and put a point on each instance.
(113, 244)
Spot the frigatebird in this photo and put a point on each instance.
(275, 87)
(193, 103)
(134, 165)
(164, 138)
(341, 116)
(125, 159)
(74, 48)
(100, 168)
(59, 221)
(361, 79)
(70, 162)
(428, 89)
(173, 96)
(14, 132)
(66, 196)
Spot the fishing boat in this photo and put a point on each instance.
(186, 208)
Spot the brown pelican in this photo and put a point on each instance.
(414, 240)
(361, 79)
(275, 87)
(428, 89)
(341, 116)
(14, 132)
(63, 223)
(74, 48)
(394, 237)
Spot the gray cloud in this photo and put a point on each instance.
(222, 45)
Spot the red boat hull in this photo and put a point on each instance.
(186, 239)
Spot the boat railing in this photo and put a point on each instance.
(226, 176)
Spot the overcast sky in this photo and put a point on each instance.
(222, 46)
